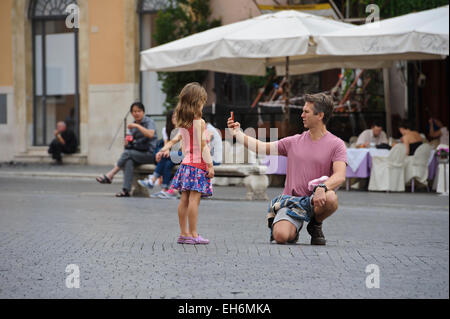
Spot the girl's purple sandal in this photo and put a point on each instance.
(185, 240)
(200, 240)
(192, 241)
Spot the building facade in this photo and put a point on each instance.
(78, 61)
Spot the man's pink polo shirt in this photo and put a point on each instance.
(308, 160)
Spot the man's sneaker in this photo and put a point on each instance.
(145, 183)
(315, 230)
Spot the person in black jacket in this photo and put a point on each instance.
(65, 142)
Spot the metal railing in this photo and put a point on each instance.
(342, 124)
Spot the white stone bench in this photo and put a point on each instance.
(253, 175)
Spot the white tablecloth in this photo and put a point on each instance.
(356, 155)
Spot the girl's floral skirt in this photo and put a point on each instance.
(189, 178)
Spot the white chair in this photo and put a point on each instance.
(353, 139)
(416, 168)
(388, 173)
(352, 142)
(424, 138)
(444, 136)
(442, 146)
(441, 181)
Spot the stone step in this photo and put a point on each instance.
(41, 156)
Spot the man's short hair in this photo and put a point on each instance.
(322, 103)
(137, 104)
(405, 124)
(375, 123)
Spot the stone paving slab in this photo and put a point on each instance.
(126, 247)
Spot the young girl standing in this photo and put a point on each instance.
(193, 178)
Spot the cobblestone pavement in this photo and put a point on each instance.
(125, 247)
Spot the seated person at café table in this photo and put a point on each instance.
(374, 135)
(437, 132)
(410, 138)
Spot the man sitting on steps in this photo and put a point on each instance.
(65, 142)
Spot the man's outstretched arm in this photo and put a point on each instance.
(251, 143)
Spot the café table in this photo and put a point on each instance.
(359, 163)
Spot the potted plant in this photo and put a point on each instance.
(442, 154)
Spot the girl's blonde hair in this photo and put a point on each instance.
(190, 102)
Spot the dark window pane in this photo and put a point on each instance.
(150, 6)
(3, 118)
(232, 90)
(56, 26)
(55, 56)
(39, 121)
(50, 8)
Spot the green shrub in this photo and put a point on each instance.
(182, 18)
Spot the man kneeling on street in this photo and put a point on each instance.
(315, 157)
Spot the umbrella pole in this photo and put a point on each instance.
(387, 101)
(287, 86)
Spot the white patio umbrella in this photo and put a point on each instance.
(415, 36)
(249, 46)
(305, 43)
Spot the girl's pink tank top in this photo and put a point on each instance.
(193, 154)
